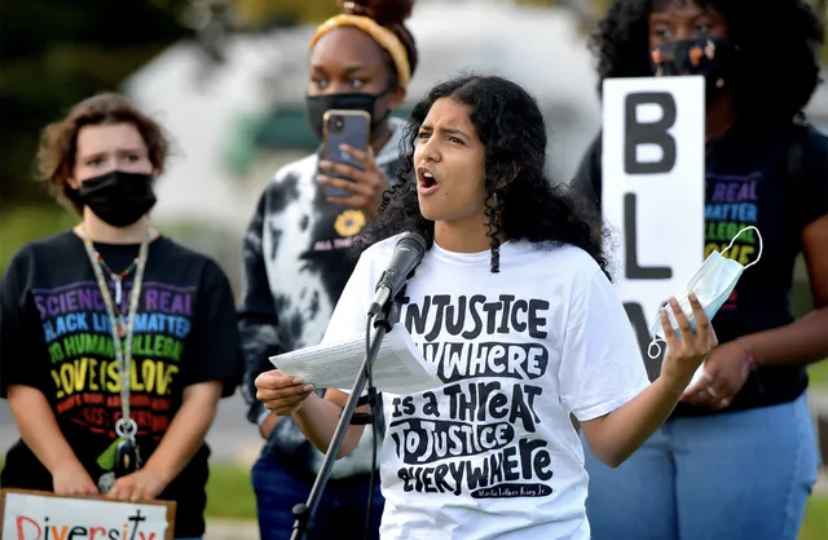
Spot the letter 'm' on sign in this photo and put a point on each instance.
(655, 132)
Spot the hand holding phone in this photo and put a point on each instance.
(347, 169)
(344, 128)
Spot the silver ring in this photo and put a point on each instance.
(126, 428)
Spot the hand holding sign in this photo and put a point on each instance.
(70, 478)
(142, 485)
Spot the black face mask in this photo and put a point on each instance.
(357, 101)
(708, 56)
(118, 198)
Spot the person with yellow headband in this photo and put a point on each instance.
(297, 257)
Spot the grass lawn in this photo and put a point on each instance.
(230, 496)
(818, 374)
(815, 526)
(23, 224)
(229, 492)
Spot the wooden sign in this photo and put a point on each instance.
(38, 515)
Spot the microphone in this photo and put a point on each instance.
(408, 253)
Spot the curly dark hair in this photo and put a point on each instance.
(522, 203)
(777, 41)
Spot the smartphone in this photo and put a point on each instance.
(344, 127)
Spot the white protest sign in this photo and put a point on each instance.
(32, 515)
(653, 189)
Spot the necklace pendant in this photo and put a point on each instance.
(120, 329)
(119, 291)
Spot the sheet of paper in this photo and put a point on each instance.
(396, 369)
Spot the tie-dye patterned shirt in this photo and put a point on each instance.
(297, 258)
(55, 336)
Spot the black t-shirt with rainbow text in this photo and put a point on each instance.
(55, 336)
(776, 179)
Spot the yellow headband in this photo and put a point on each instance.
(383, 36)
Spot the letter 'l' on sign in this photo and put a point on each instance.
(653, 189)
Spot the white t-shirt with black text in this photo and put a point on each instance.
(492, 453)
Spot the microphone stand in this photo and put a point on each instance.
(305, 512)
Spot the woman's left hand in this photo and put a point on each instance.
(142, 485)
(725, 372)
(687, 349)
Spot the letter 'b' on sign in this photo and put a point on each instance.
(645, 134)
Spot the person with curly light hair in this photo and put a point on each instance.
(116, 343)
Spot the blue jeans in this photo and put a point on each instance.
(738, 475)
(341, 513)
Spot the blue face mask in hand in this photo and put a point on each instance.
(713, 284)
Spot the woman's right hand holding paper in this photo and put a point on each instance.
(281, 393)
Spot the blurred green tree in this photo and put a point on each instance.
(263, 13)
(56, 52)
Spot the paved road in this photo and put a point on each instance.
(8, 432)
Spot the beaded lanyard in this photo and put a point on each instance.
(121, 330)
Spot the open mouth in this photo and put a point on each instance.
(426, 180)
